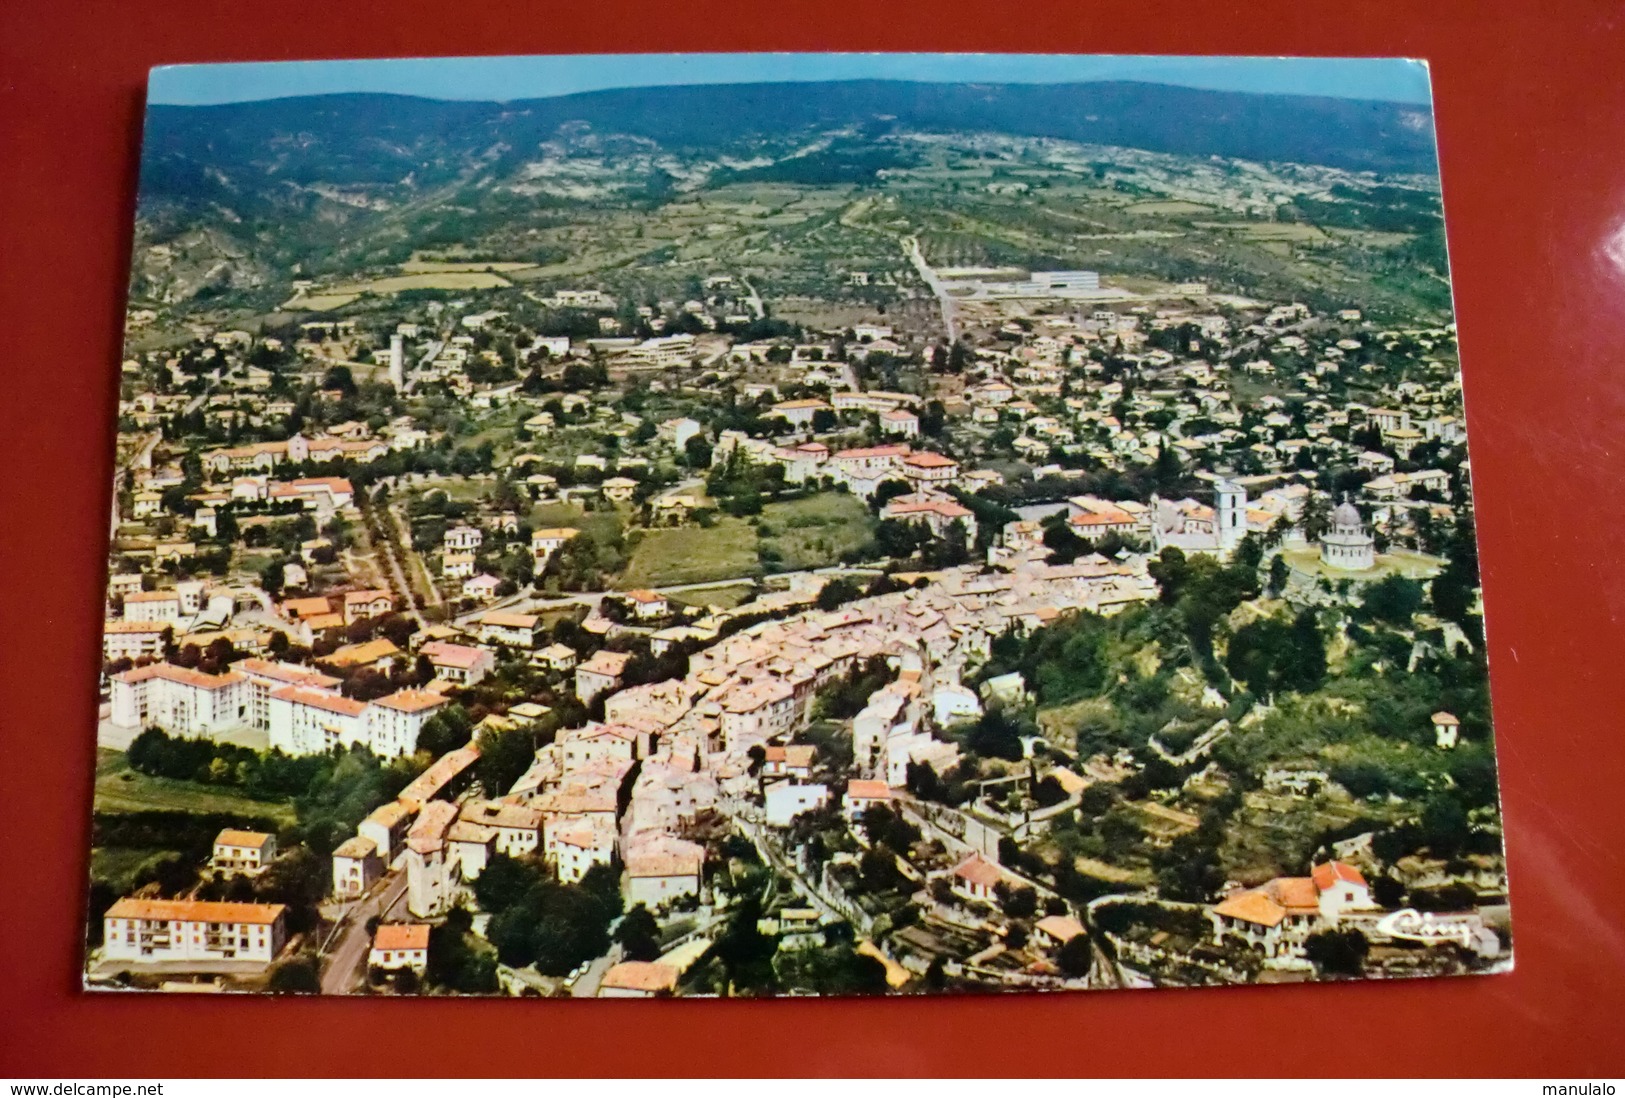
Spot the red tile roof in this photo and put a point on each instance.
(194, 911)
(1328, 874)
(402, 936)
(318, 699)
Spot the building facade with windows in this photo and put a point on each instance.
(192, 930)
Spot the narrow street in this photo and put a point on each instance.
(587, 986)
(384, 552)
(347, 957)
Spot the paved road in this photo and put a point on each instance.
(950, 308)
(346, 957)
(587, 986)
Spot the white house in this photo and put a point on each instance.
(786, 800)
(152, 606)
(600, 674)
(647, 604)
(1446, 730)
(356, 865)
(458, 663)
(400, 945)
(977, 878)
(860, 795)
(245, 852)
(385, 827)
(662, 870)
(507, 627)
(463, 539)
(133, 639)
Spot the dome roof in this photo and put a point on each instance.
(1346, 515)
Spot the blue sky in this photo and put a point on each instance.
(509, 78)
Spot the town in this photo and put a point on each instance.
(982, 626)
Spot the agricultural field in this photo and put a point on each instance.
(816, 531)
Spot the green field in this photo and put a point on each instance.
(815, 532)
(717, 598)
(603, 524)
(1402, 563)
(692, 554)
(120, 789)
(118, 866)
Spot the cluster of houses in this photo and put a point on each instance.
(630, 787)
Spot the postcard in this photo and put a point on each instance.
(791, 524)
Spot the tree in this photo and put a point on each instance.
(1076, 956)
(505, 881)
(996, 735)
(454, 962)
(1278, 575)
(1019, 902)
(1337, 952)
(1393, 599)
(697, 452)
(1387, 892)
(1445, 828)
(837, 592)
(295, 976)
(1316, 518)
(447, 730)
(505, 755)
(639, 935)
(745, 952)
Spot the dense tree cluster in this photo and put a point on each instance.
(536, 919)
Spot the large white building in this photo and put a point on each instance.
(266, 676)
(134, 640)
(306, 720)
(394, 721)
(1193, 527)
(180, 700)
(153, 606)
(192, 930)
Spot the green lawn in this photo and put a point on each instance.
(120, 789)
(815, 532)
(1400, 562)
(603, 524)
(692, 554)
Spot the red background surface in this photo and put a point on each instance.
(1531, 119)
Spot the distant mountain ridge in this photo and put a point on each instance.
(366, 138)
